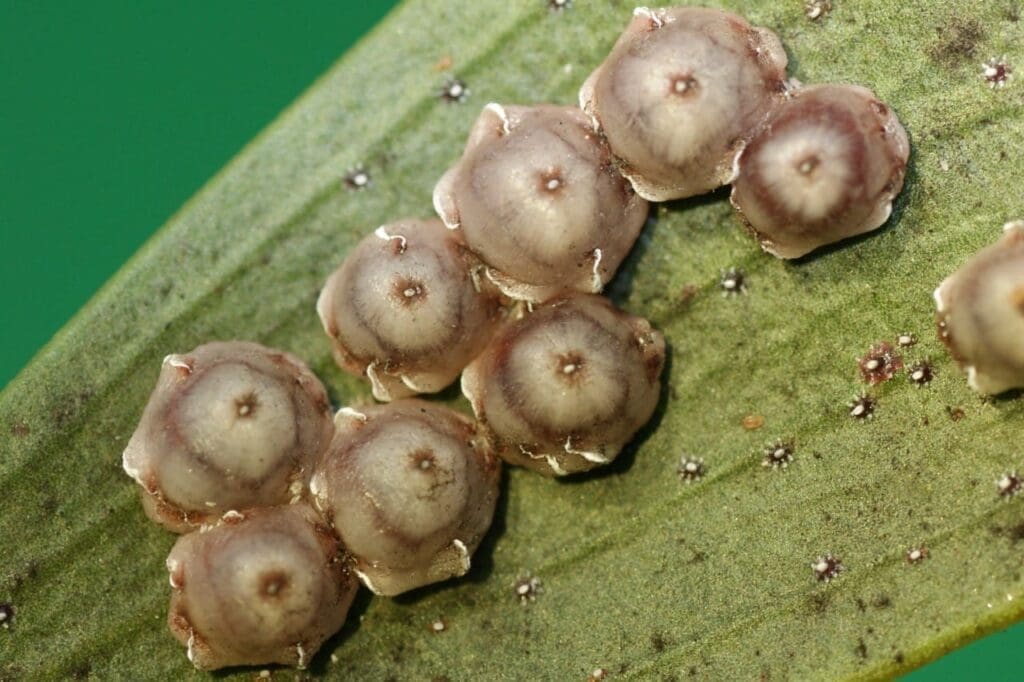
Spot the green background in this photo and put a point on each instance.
(114, 114)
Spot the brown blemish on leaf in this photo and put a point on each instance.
(955, 413)
(19, 429)
(658, 642)
(687, 294)
(1014, 533)
(819, 602)
(752, 422)
(958, 41)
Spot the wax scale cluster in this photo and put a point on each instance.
(285, 505)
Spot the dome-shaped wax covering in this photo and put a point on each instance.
(981, 314)
(262, 586)
(410, 488)
(564, 388)
(230, 425)
(537, 197)
(826, 166)
(679, 95)
(407, 310)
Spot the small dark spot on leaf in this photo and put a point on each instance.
(882, 601)
(1014, 533)
(18, 579)
(19, 429)
(11, 672)
(819, 602)
(69, 407)
(861, 650)
(861, 606)
(955, 413)
(82, 671)
(50, 505)
(658, 642)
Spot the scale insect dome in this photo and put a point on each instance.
(405, 309)
(981, 314)
(263, 586)
(410, 488)
(564, 388)
(680, 93)
(230, 425)
(538, 199)
(826, 166)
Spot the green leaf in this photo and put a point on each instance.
(642, 574)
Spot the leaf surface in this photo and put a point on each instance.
(642, 574)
